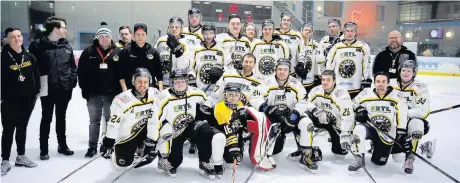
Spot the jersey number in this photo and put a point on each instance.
(346, 112)
(228, 130)
(115, 119)
(421, 101)
(256, 93)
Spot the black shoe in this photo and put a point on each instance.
(91, 152)
(192, 148)
(44, 156)
(219, 171)
(65, 151)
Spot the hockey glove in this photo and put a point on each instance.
(345, 141)
(366, 83)
(107, 147)
(294, 119)
(321, 115)
(317, 81)
(192, 80)
(361, 114)
(300, 70)
(215, 73)
(407, 143)
(149, 151)
(176, 48)
(235, 152)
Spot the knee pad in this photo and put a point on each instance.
(416, 125)
(218, 139)
(399, 157)
(360, 131)
(218, 146)
(120, 163)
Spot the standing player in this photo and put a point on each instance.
(350, 60)
(307, 67)
(283, 93)
(269, 50)
(128, 125)
(208, 59)
(327, 107)
(194, 25)
(335, 35)
(381, 107)
(234, 44)
(179, 110)
(292, 38)
(418, 101)
(250, 30)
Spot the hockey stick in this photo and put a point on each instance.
(416, 154)
(445, 109)
(234, 171)
(166, 138)
(365, 169)
(265, 153)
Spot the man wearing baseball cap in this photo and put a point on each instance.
(139, 54)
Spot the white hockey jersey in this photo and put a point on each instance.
(417, 99)
(205, 58)
(308, 55)
(337, 105)
(286, 96)
(172, 109)
(252, 88)
(351, 63)
(129, 115)
(234, 48)
(390, 108)
(197, 33)
(267, 55)
(186, 59)
(165, 53)
(293, 39)
(322, 46)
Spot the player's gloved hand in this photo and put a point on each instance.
(107, 147)
(321, 115)
(407, 143)
(273, 113)
(192, 80)
(345, 140)
(175, 46)
(294, 119)
(366, 83)
(300, 70)
(317, 81)
(215, 73)
(149, 151)
(361, 114)
(235, 153)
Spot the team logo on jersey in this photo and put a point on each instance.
(150, 56)
(267, 65)
(208, 58)
(145, 113)
(139, 125)
(181, 120)
(287, 41)
(347, 54)
(180, 108)
(380, 109)
(382, 122)
(269, 50)
(115, 58)
(347, 68)
(191, 41)
(203, 73)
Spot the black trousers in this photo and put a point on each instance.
(59, 99)
(381, 150)
(15, 116)
(124, 151)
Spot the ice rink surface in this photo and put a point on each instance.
(444, 91)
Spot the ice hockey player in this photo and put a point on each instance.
(252, 87)
(351, 60)
(418, 101)
(327, 107)
(269, 50)
(194, 26)
(292, 38)
(179, 110)
(128, 125)
(380, 108)
(307, 67)
(234, 43)
(250, 31)
(209, 60)
(335, 35)
(284, 91)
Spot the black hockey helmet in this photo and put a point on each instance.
(408, 64)
(207, 27)
(178, 74)
(176, 19)
(283, 61)
(268, 22)
(141, 72)
(351, 24)
(232, 88)
(194, 11)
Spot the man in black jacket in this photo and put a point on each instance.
(20, 85)
(96, 78)
(394, 54)
(139, 54)
(56, 61)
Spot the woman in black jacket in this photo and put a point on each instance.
(20, 85)
(56, 60)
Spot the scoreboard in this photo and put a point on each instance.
(219, 11)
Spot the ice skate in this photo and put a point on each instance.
(409, 166)
(219, 171)
(357, 165)
(428, 148)
(207, 170)
(165, 168)
(307, 163)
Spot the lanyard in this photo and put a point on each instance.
(15, 62)
(100, 54)
(394, 59)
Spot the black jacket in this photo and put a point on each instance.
(132, 57)
(56, 60)
(384, 60)
(94, 80)
(12, 87)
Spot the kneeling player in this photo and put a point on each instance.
(418, 101)
(380, 108)
(327, 107)
(179, 110)
(130, 112)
